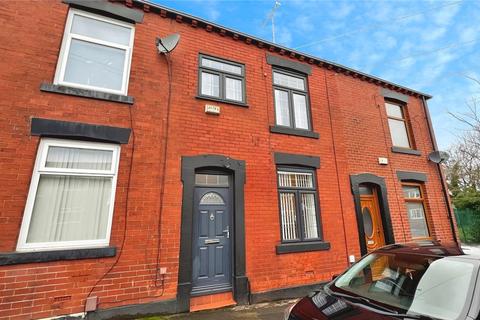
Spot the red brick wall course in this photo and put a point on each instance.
(353, 134)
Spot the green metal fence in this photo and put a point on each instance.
(468, 223)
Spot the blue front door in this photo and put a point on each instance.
(211, 240)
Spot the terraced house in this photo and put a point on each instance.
(229, 170)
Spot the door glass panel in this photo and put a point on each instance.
(212, 198)
(365, 190)
(398, 131)
(95, 65)
(289, 216)
(309, 216)
(214, 180)
(367, 222)
(282, 112)
(300, 111)
(210, 84)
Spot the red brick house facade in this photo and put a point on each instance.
(231, 170)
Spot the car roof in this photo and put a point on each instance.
(428, 248)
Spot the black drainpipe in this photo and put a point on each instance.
(440, 172)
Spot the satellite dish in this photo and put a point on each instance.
(438, 156)
(167, 44)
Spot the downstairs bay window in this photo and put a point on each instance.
(71, 196)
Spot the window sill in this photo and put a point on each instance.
(12, 258)
(86, 93)
(294, 132)
(302, 247)
(406, 151)
(240, 104)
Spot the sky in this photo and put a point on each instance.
(432, 46)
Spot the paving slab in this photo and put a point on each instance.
(259, 311)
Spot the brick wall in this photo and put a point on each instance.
(353, 134)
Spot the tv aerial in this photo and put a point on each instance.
(271, 16)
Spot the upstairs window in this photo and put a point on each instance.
(96, 53)
(221, 80)
(397, 121)
(414, 202)
(71, 197)
(291, 100)
(298, 204)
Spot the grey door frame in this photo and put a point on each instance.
(379, 183)
(190, 165)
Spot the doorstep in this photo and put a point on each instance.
(212, 301)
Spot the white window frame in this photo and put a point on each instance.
(40, 169)
(65, 49)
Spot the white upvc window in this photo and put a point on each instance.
(71, 196)
(96, 53)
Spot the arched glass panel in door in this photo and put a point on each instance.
(211, 198)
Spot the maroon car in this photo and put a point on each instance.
(422, 280)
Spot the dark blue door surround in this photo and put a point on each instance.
(235, 168)
(212, 236)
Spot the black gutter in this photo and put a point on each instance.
(271, 44)
(440, 172)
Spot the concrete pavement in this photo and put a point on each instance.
(473, 249)
(260, 311)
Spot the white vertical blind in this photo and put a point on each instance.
(288, 81)
(282, 111)
(78, 158)
(69, 208)
(309, 216)
(210, 84)
(221, 66)
(289, 216)
(297, 206)
(300, 111)
(233, 89)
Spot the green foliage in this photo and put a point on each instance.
(467, 199)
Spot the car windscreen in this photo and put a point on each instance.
(413, 284)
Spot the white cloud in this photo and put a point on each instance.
(433, 34)
(469, 33)
(444, 16)
(342, 11)
(303, 23)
